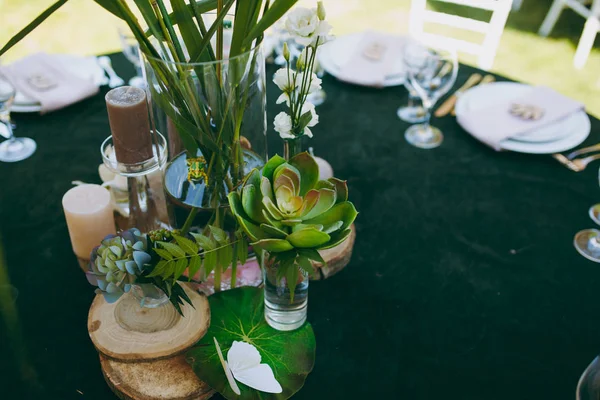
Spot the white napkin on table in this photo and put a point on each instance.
(43, 78)
(372, 60)
(495, 123)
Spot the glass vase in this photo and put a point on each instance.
(213, 115)
(291, 147)
(283, 311)
(146, 309)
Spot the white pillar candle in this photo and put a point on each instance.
(90, 218)
(325, 169)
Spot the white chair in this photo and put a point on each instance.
(492, 30)
(590, 30)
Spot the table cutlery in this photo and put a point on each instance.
(114, 79)
(448, 105)
(578, 164)
(486, 79)
(583, 150)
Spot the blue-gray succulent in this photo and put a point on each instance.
(117, 262)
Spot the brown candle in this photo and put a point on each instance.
(129, 123)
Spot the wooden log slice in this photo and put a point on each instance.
(336, 258)
(166, 379)
(127, 332)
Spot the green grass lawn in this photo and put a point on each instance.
(82, 27)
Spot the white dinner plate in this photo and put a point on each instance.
(334, 55)
(559, 136)
(83, 67)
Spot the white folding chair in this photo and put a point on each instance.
(590, 30)
(492, 30)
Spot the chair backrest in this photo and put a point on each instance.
(492, 30)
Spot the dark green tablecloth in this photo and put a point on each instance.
(464, 282)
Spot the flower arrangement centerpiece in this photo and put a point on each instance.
(309, 28)
(205, 84)
(290, 214)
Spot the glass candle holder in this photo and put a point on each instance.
(147, 206)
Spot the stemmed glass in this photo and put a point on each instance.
(131, 50)
(413, 111)
(432, 72)
(588, 387)
(587, 241)
(13, 149)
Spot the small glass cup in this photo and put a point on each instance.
(13, 149)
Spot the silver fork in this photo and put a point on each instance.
(578, 164)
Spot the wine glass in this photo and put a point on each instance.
(431, 72)
(587, 241)
(413, 111)
(131, 50)
(13, 149)
(588, 387)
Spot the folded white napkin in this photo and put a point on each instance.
(372, 60)
(43, 78)
(493, 124)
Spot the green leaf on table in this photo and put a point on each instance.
(237, 315)
(175, 250)
(33, 24)
(187, 245)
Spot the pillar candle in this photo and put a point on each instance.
(90, 218)
(129, 124)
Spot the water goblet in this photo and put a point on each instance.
(13, 149)
(587, 241)
(131, 50)
(431, 72)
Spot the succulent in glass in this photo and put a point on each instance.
(287, 210)
(117, 262)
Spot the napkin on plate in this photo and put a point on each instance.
(493, 124)
(42, 77)
(372, 60)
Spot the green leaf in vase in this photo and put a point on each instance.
(237, 315)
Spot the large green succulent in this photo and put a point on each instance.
(117, 262)
(288, 209)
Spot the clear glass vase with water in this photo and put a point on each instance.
(283, 311)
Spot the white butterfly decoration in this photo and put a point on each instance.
(243, 364)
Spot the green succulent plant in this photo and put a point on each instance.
(117, 262)
(287, 210)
